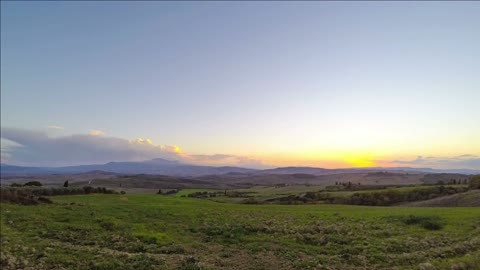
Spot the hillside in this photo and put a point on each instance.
(160, 166)
(162, 232)
(154, 166)
(467, 199)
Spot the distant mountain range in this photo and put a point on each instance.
(174, 168)
(322, 171)
(155, 166)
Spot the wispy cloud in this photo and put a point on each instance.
(37, 148)
(467, 161)
(96, 132)
(225, 160)
(56, 127)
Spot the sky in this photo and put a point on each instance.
(258, 84)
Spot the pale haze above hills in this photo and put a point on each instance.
(174, 168)
(36, 148)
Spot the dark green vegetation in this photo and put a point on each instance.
(237, 180)
(28, 184)
(355, 195)
(385, 197)
(32, 196)
(469, 198)
(238, 225)
(474, 182)
(99, 231)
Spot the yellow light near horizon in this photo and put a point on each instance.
(177, 149)
(332, 159)
(360, 161)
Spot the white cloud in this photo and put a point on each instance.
(224, 160)
(466, 161)
(36, 148)
(96, 132)
(56, 127)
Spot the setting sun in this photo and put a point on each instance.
(274, 135)
(360, 161)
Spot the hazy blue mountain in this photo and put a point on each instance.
(154, 166)
(175, 168)
(322, 171)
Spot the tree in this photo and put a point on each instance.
(33, 183)
(88, 189)
(65, 184)
(474, 182)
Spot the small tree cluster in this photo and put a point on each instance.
(376, 198)
(474, 182)
(453, 181)
(347, 185)
(19, 196)
(56, 191)
(167, 191)
(27, 184)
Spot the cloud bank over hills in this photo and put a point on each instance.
(36, 148)
(461, 161)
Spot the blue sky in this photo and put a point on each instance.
(284, 83)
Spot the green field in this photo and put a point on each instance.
(170, 232)
(260, 193)
(274, 194)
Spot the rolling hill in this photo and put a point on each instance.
(160, 166)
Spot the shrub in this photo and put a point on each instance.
(250, 201)
(427, 222)
(432, 225)
(88, 189)
(190, 263)
(44, 200)
(17, 197)
(107, 225)
(32, 183)
(474, 182)
(172, 249)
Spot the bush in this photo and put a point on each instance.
(32, 183)
(29, 196)
(88, 189)
(250, 201)
(474, 182)
(431, 225)
(190, 263)
(17, 197)
(428, 222)
(44, 200)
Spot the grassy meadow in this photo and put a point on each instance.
(148, 231)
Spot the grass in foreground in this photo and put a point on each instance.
(167, 232)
